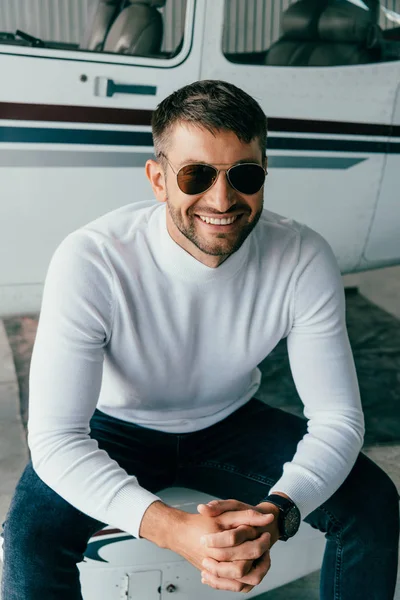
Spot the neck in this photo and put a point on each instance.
(209, 260)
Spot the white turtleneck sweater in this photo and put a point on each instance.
(133, 324)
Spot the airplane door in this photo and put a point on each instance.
(384, 240)
(329, 99)
(75, 132)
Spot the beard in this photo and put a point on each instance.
(220, 244)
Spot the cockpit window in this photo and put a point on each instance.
(359, 3)
(386, 13)
(320, 33)
(391, 16)
(152, 28)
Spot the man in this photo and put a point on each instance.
(144, 375)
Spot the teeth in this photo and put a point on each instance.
(218, 221)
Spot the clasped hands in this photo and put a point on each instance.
(236, 556)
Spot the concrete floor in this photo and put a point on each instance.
(381, 287)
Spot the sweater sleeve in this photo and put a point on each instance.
(323, 370)
(65, 379)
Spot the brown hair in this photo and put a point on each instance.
(212, 104)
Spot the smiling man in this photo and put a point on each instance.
(213, 232)
(144, 375)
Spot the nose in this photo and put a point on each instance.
(221, 196)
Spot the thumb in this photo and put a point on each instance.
(246, 517)
(212, 509)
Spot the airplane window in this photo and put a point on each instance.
(359, 3)
(152, 28)
(311, 33)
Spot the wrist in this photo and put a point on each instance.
(160, 523)
(288, 518)
(266, 506)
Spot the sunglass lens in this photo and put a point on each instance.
(196, 178)
(247, 178)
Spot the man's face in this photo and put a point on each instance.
(209, 243)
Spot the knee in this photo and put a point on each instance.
(381, 503)
(383, 489)
(40, 521)
(387, 496)
(364, 508)
(31, 517)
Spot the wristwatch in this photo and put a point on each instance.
(289, 516)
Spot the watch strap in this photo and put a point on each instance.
(284, 505)
(280, 501)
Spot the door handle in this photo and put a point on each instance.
(107, 88)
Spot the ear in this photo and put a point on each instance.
(155, 174)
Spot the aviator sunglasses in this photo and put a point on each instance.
(196, 178)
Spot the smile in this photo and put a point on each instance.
(213, 221)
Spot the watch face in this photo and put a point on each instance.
(292, 521)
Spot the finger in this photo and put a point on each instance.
(235, 569)
(250, 550)
(220, 583)
(259, 570)
(209, 511)
(245, 517)
(220, 506)
(230, 537)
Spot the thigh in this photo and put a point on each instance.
(41, 513)
(39, 522)
(361, 521)
(243, 455)
(367, 502)
(147, 454)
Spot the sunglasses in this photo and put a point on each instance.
(197, 178)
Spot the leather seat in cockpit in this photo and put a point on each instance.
(137, 30)
(101, 15)
(326, 33)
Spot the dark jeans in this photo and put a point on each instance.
(240, 457)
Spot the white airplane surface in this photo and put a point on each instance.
(75, 126)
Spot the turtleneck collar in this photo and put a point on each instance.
(176, 261)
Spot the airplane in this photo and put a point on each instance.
(75, 121)
(75, 135)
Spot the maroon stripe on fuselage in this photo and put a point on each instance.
(133, 116)
(106, 532)
(74, 114)
(337, 127)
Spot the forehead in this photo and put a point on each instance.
(190, 143)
